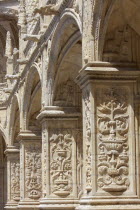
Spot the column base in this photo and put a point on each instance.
(11, 206)
(108, 207)
(58, 204)
(34, 205)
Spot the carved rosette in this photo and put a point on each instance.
(61, 157)
(87, 105)
(33, 174)
(112, 136)
(15, 179)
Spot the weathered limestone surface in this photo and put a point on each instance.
(69, 104)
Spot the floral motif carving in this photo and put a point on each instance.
(88, 140)
(33, 180)
(61, 163)
(15, 179)
(44, 154)
(79, 162)
(112, 130)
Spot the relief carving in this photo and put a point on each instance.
(79, 162)
(44, 159)
(87, 104)
(112, 135)
(15, 179)
(33, 179)
(61, 154)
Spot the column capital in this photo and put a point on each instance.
(28, 135)
(53, 112)
(107, 70)
(11, 150)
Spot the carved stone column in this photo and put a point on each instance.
(30, 170)
(111, 173)
(88, 38)
(61, 157)
(13, 177)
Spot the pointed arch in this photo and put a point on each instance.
(67, 33)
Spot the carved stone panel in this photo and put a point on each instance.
(33, 173)
(113, 138)
(15, 178)
(88, 148)
(62, 163)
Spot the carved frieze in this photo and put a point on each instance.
(33, 174)
(112, 137)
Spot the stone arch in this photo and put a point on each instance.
(66, 95)
(14, 125)
(32, 86)
(69, 29)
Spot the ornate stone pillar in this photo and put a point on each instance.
(30, 170)
(61, 157)
(13, 177)
(110, 172)
(88, 37)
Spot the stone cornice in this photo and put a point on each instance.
(105, 70)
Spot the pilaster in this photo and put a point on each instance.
(110, 158)
(13, 177)
(30, 170)
(61, 157)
